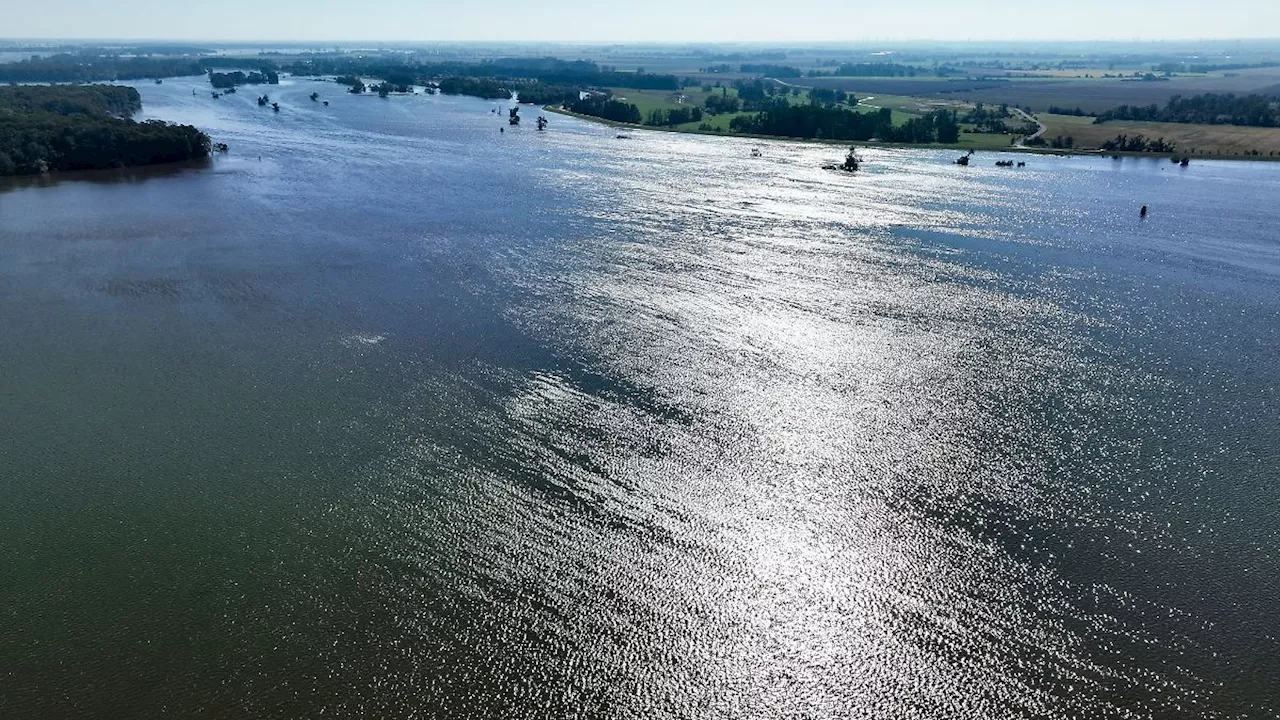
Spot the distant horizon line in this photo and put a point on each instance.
(675, 43)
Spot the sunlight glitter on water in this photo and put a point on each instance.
(452, 424)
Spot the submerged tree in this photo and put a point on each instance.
(851, 161)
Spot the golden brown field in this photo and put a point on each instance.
(1196, 139)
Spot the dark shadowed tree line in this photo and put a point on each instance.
(875, 69)
(1059, 110)
(1209, 108)
(769, 70)
(80, 68)
(603, 106)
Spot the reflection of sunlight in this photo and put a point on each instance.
(838, 396)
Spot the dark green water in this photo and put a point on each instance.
(412, 419)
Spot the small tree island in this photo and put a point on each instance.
(232, 79)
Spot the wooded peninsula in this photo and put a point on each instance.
(47, 128)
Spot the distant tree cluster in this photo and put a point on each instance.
(1183, 67)
(829, 96)
(1209, 108)
(540, 94)
(871, 69)
(81, 68)
(725, 103)
(385, 88)
(770, 70)
(232, 79)
(988, 119)
(354, 84)
(754, 94)
(605, 107)
(59, 127)
(1059, 110)
(477, 87)
(674, 116)
(1138, 143)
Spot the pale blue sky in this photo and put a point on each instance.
(643, 20)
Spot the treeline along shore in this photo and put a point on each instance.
(46, 128)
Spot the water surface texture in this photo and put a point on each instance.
(388, 414)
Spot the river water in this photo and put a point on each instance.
(388, 414)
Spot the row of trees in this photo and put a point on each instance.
(1174, 67)
(70, 68)
(833, 122)
(603, 106)
(674, 116)
(1209, 108)
(487, 88)
(63, 132)
(769, 70)
(1138, 143)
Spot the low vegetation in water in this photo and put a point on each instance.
(232, 79)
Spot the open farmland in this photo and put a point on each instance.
(1096, 95)
(900, 86)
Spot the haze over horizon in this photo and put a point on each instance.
(657, 21)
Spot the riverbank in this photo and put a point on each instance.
(1029, 150)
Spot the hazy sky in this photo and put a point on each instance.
(643, 20)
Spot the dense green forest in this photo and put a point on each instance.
(1210, 109)
(540, 94)
(69, 100)
(606, 107)
(832, 122)
(87, 68)
(486, 88)
(62, 127)
(232, 79)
